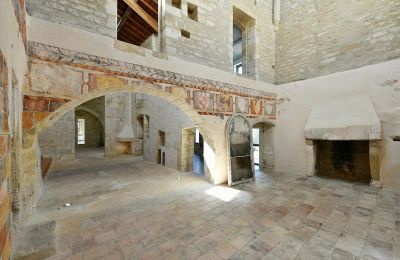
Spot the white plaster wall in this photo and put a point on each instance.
(381, 82)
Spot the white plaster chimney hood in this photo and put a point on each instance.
(348, 118)
(127, 134)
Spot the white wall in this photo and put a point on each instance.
(295, 101)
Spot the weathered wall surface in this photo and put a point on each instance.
(97, 16)
(326, 36)
(114, 122)
(381, 82)
(58, 141)
(163, 116)
(210, 41)
(13, 66)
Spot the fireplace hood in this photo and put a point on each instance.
(347, 118)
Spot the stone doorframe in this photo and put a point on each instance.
(374, 160)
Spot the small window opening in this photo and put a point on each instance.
(81, 130)
(177, 4)
(161, 138)
(185, 34)
(192, 12)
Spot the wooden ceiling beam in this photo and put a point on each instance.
(145, 16)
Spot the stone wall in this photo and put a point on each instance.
(98, 16)
(326, 36)
(58, 141)
(13, 67)
(168, 118)
(210, 41)
(115, 105)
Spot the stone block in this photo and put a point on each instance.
(39, 241)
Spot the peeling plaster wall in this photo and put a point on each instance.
(13, 183)
(382, 84)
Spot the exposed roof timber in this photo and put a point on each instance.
(124, 18)
(149, 6)
(145, 16)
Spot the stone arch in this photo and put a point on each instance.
(175, 99)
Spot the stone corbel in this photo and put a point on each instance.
(374, 163)
(311, 157)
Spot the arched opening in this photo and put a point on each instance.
(89, 137)
(105, 127)
(142, 131)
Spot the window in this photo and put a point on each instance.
(238, 69)
(161, 135)
(185, 34)
(192, 12)
(81, 131)
(177, 3)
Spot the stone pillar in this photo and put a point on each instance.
(374, 163)
(311, 157)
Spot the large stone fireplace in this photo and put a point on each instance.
(343, 140)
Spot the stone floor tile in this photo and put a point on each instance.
(225, 250)
(339, 254)
(302, 232)
(288, 248)
(350, 244)
(210, 255)
(376, 249)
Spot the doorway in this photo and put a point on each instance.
(198, 158)
(256, 148)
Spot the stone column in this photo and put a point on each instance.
(311, 157)
(374, 163)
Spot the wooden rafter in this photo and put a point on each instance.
(145, 16)
(124, 18)
(149, 6)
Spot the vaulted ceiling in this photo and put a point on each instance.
(137, 20)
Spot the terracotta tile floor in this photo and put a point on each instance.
(134, 209)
